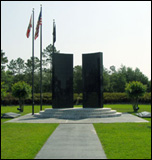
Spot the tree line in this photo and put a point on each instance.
(114, 80)
(20, 70)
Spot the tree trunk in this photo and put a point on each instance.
(135, 105)
(21, 103)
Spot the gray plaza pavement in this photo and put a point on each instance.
(29, 118)
(74, 139)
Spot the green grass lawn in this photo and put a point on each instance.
(27, 109)
(120, 140)
(22, 140)
(125, 140)
(128, 107)
(119, 107)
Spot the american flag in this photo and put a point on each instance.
(39, 22)
(29, 28)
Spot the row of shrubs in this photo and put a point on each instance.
(111, 98)
(77, 99)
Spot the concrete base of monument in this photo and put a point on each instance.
(79, 113)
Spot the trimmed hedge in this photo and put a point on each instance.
(77, 99)
(9, 100)
(123, 98)
(115, 98)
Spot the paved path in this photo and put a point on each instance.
(72, 141)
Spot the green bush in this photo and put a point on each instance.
(9, 100)
(115, 98)
(78, 98)
(109, 98)
(134, 91)
(3, 90)
(21, 90)
(146, 98)
(46, 98)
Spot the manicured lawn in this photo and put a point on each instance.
(128, 107)
(27, 109)
(125, 140)
(22, 140)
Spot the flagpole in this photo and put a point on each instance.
(41, 64)
(33, 65)
(53, 35)
(53, 67)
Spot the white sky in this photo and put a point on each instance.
(121, 30)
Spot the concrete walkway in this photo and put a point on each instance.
(72, 141)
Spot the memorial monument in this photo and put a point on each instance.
(62, 81)
(62, 89)
(92, 71)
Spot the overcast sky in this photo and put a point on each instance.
(121, 30)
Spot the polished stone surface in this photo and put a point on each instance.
(62, 79)
(92, 73)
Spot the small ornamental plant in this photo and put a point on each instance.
(135, 90)
(21, 90)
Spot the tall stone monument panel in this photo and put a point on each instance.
(92, 72)
(62, 79)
